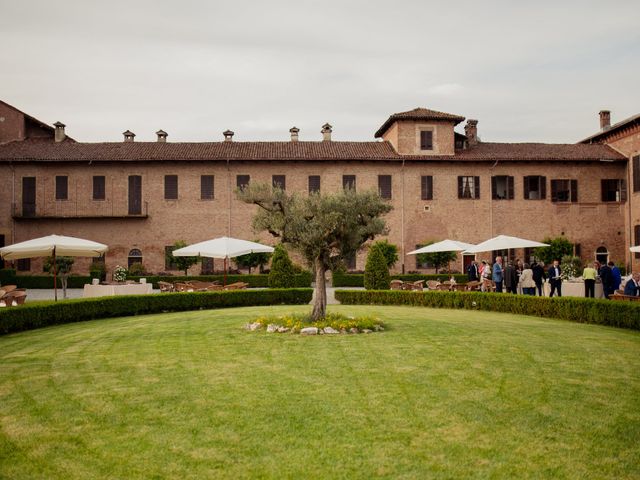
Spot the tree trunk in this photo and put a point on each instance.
(320, 302)
(63, 280)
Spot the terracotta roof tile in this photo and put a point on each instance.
(418, 114)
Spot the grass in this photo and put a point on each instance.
(441, 394)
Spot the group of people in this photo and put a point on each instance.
(529, 278)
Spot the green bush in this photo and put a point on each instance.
(7, 276)
(282, 271)
(376, 272)
(389, 250)
(43, 314)
(98, 270)
(582, 310)
(357, 279)
(136, 269)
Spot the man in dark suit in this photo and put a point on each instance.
(632, 287)
(510, 278)
(606, 277)
(538, 277)
(472, 272)
(555, 279)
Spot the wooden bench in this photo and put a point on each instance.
(628, 298)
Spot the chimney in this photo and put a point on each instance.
(59, 134)
(128, 136)
(471, 131)
(294, 133)
(326, 132)
(228, 135)
(605, 119)
(162, 136)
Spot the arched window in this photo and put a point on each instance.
(602, 255)
(135, 256)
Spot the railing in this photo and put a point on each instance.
(74, 209)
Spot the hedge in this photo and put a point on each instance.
(357, 279)
(42, 314)
(582, 310)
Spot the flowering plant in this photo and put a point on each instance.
(119, 274)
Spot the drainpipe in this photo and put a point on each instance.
(402, 219)
(13, 202)
(228, 199)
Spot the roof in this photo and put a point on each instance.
(616, 127)
(34, 120)
(418, 114)
(49, 151)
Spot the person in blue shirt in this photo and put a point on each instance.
(617, 276)
(497, 275)
(632, 287)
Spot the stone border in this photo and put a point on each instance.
(274, 328)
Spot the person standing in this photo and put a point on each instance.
(589, 277)
(510, 278)
(632, 287)
(617, 276)
(606, 277)
(472, 272)
(538, 276)
(526, 281)
(555, 278)
(497, 274)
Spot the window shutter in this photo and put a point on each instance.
(543, 187)
(98, 187)
(429, 188)
(384, 186)
(526, 188)
(314, 183)
(279, 181)
(554, 190)
(206, 187)
(242, 181)
(510, 188)
(603, 190)
(476, 184)
(577, 250)
(637, 241)
(171, 187)
(494, 187)
(459, 187)
(426, 140)
(62, 187)
(623, 190)
(349, 182)
(636, 173)
(574, 190)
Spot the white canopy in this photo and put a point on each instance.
(443, 246)
(504, 242)
(53, 244)
(223, 247)
(635, 249)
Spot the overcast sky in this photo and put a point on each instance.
(528, 71)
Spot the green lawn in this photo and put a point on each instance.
(441, 394)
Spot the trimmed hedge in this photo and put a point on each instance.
(357, 279)
(301, 280)
(43, 314)
(582, 310)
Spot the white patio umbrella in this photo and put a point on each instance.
(635, 249)
(443, 246)
(504, 242)
(51, 246)
(223, 247)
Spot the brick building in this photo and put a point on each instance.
(140, 197)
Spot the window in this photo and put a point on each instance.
(135, 194)
(468, 187)
(349, 182)
(350, 262)
(170, 187)
(206, 187)
(636, 173)
(384, 186)
(614, 190)
(535, 187)
(637, 239)
(23, 264)
(426, 187)
(421, 263)
(242, 181)
(99, 187)
(602, 255)
(564, 190)
(426, 140)
(502, 187)
(135, 256)
(99, 259)
(314, 184)
(28, 196)
(62, 187)
(279, 181)
(169, 263)
(207, 266)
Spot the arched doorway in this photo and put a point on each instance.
(135, 256)
(602, 255)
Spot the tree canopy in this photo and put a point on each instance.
(181, 263)
(437, 259)
(558, 248)
(324, 229)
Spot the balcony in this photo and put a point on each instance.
(67, 209)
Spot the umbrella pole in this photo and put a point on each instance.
(224, 283)
(55, 280)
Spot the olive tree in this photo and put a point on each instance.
(324, 229)
(62, 266)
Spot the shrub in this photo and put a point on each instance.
(389, 250)
(571, 267)
(43, 314)
(7, 276)
(336, 321)
(582, 310)
(119, 274)
(376, 272)
(137, 269)
(98, 270)
(357, 280)
(282, 271)
(558, 248)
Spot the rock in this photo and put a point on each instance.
(379, 328)
(272, 328)
(343, 330)
(366, 330)
(283, 329)
(354, 330)
(330, 330)
(253, 326)
(309, 331)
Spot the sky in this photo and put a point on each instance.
(528, 71)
